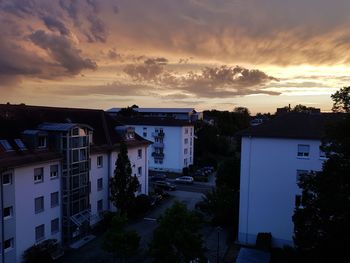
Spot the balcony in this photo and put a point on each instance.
(159, 134)
(158, 155)
(158, 145)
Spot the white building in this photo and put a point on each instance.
(55, 165)
(187, 114)
(173, 142)
(273, 155)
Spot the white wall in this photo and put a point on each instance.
(102, 172)
(269, 185)
(26, 219)
(173, 146)
(95, 195)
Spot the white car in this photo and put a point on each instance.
(184, 179)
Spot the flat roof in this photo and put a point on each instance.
(157, 110)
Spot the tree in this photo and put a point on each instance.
(322, 222)
(341, 100)
(123, 185)
(121, 243)
(228, 174)
(177, 237)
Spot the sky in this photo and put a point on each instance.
(206, 54)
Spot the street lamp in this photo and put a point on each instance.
(218, 247)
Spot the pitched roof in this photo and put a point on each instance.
(154, 121)
(15, 119)
(294, 126)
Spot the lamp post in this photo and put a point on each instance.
(218, 247)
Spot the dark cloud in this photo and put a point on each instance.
(98, 30)
(150, 70)
(62, 51)
(210, 82)
(55, 24)
(113, 54)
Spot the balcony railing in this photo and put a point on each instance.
(159, 134)
(158, 145)
(158, 155)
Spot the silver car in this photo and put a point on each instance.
(184, 179)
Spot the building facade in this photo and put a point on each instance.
(173, 142)
(273, 156)
(55, 165)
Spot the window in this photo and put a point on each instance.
(5, 144)
(54, 199)
(191, 131)
(190, 151)
(99, 205)
(99, 184)
(53, 171)
(39, 204)
(139, 171)
(7, 178)
(42, 142)
(38, 175)
(8, 244)
(139, 153)
(75, 131)
(186, 130)
(185, 151)
(185, 161)
(75, 156)
(186, 141)
(20, 144)
(303, 150)
(83, 156)
(8, 212)
(55, 226)
(100, 161)
(39, 233)
(144, 134)
(300, 173)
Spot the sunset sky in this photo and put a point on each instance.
(206, 54)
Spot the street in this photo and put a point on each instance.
(214, 239)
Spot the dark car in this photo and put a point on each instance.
(158, 177)
(164, 185)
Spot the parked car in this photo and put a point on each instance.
(165, 185)
(158, 177)
(184, 179)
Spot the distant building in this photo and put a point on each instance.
(173, 142)
(273, 155)
(55, 166)
(187, 114)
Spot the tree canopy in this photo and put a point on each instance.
(123, 185)
(177, 237)
(322, 221)
(341, 100)
(121, 243)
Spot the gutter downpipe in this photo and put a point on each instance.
(249, 165)
(2, 218)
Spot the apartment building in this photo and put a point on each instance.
(173, 142)
(55, 165)
(273, 155)
(185, 114)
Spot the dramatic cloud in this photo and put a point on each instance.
(150, 70)
(215, 82)
(62, 50)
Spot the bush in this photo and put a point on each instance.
(140, 206)
(263, 241)
(41, 252)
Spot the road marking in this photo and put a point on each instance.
(150, 219)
